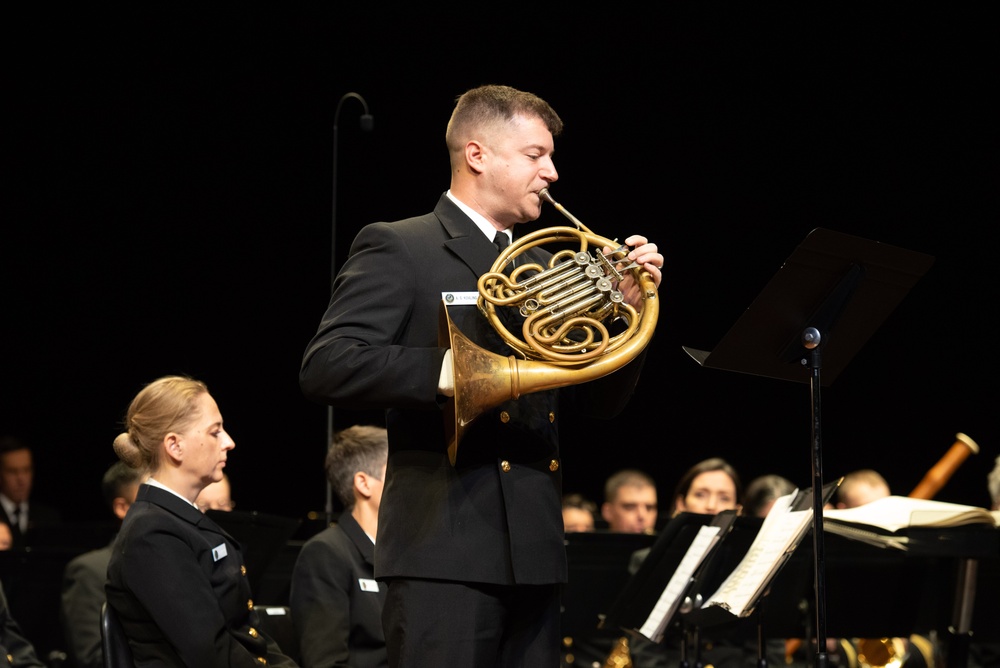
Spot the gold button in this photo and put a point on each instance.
(554, 465)
(10, 659)
(243, 570)
(250, 604)
(504, 417)
(261, 660)
(505, 465)
(552, 417)
(252, 632)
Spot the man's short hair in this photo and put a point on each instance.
(490, 106)
(11, 444)
(868, 477)
(116, 481)
(360, 448)
(625, 478)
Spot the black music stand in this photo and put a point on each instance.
(829, 297)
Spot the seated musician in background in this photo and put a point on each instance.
(763, 491)
(708, 487)
(858, 488)
(84, 576)
(630, 504)
(176, 580)
(18, 509)
(217, 496)
(993, 485)
(336, 602)
(861, 487)
(578, 513)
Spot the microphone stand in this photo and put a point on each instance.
(367, 123)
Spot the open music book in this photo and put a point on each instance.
(881, 522)
(787, 522)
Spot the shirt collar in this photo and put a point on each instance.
(479, 219)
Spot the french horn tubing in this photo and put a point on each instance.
(568, 307)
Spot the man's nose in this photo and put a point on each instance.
(549, 172)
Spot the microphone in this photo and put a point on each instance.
(367, 120)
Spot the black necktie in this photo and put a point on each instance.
(501, 241)
(16, 520)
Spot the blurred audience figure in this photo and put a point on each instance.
(993, 484)
(708, 488)
(630, 504)
(578, 513)
(763, 491)
(84, 576)
(217, 496)
(20, 513)
(15, 649)
(336, 602)
(861, 487)
(6, 537)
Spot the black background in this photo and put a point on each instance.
(169, 180)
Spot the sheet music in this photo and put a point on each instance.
(669, 600)
(780, 530)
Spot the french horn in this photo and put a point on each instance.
(576, 326)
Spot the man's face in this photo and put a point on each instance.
(518, 165)
(633, 510)
(16, 472)
(577, 520)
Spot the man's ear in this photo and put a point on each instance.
(361, 484)
(606, 511)
(475, 156)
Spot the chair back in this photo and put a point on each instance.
(117, 653)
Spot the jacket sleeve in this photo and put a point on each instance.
(82, 596)
(359, 357)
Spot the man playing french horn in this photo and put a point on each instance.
(470, 538)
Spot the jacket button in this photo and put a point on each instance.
(243, 570)
(505, 466)
(554, 465)
(504, 417)
(552, 417)
(252, 632)
(250, 604)
(261, 660)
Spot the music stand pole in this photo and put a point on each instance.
(811, 340)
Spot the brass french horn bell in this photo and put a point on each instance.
(567, 307)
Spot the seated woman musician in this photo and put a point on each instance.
(176, 580)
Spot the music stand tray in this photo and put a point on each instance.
(842, 285)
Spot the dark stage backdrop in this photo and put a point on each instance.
(168, 210)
